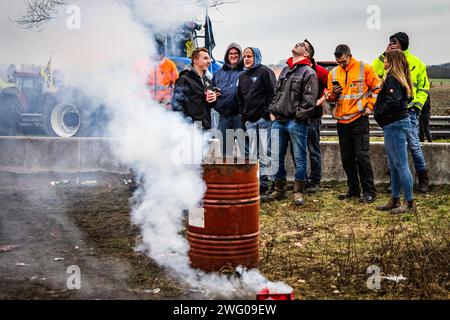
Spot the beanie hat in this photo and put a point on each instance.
(402, 38)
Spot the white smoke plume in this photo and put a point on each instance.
(98, 59)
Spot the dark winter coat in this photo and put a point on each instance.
(189, 96)
(227, 80)
(296, 92)
(256, 90)
(392, 102)
(322, 79)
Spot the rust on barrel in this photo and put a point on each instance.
(228, 235)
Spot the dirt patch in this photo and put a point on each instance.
(56, 226)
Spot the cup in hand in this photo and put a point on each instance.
(210, 96)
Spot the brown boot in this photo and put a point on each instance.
(392, 204)
(423, 181)
(278, 194)
(299, 190)
(407, 207)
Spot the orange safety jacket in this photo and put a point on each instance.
(159, 79)
(360, 86)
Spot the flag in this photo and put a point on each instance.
(210, 43)
(47, 74)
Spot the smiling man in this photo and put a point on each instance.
(255, 92)
(227, 79)
(193, 94)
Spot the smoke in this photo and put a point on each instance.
(98, 60)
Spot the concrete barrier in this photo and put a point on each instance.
(71, 155)
(437, 157)
(42, 154)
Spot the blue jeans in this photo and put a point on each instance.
(395, 140)
(231, 123)
(315, 156)
(414, 143)
(297, 134)
(259, 134)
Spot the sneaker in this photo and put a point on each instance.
(367, 199)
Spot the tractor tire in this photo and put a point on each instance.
(61, 119)
(10, 115)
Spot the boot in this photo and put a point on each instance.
(423, 181)
(313, 188)
(407, 207)
(299, 190)
(392, 204)
(279, 192)
(270, 188)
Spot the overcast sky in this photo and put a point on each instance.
(275, 26)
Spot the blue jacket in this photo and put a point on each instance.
(227, 80)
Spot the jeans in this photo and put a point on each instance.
(297, 134)
(231, 123)
(414, 143)
(395, 137)
(259, 134)
(354, 145)
(315, 156)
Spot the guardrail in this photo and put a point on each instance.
(439, 126)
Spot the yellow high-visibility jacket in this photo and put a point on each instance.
(419, 78)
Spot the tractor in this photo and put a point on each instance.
(28, 105)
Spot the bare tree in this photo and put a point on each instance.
(38, 13)
(218, 3)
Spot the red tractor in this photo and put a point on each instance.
(27, 105)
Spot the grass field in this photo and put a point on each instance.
(438, 81)
(323, 249)
(440, 97)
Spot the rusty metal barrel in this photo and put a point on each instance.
(225, 232)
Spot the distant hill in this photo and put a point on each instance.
(441, 71)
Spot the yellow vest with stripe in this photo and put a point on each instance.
(419, 78)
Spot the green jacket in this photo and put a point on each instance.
(418, 76)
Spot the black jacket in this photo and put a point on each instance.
(392, 102)
(296, 93)
(189, 97)
(255, 92)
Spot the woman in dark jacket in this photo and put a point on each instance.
(391, 113)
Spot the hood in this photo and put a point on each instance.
(257, 56)
(304, 62)
(236, 46)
